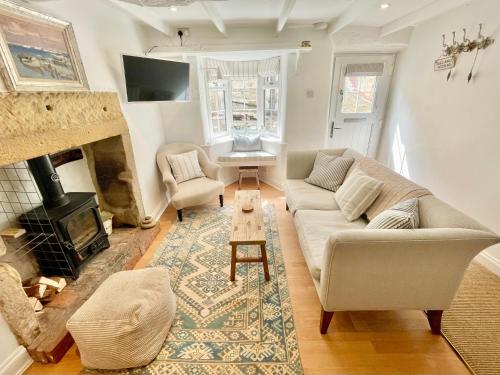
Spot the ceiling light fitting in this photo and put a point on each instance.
(385, 5)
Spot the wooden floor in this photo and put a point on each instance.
(394, 342)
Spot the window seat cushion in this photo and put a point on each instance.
(248, 158)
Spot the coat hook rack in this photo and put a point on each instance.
(450, 52)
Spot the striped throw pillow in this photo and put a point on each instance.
(329, 171)
(357, 193)
(403, 215)
(185, 166)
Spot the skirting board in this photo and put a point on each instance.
(160, 209)
(16, 363)
(489, 262)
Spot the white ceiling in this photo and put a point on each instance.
(303, 12)
(337, 13)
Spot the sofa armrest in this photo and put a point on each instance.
(377, 269)
(212, 170)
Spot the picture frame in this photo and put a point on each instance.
(38, 52)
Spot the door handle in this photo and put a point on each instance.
(337, 128)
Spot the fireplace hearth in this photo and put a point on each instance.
(67, 230)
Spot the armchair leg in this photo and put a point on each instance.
(434, 318)
(179, 215)
(287, 208)
(221, 200)
(326, 318)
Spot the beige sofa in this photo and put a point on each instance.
(356, 269)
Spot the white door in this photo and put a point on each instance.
(359, 94)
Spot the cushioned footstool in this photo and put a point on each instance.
(125, 322)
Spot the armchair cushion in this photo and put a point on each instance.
(197, 191)
(185, 166)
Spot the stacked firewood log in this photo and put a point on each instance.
(42, 290)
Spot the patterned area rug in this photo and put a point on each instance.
(244, 327)
(472, 324)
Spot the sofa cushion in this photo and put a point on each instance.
(314, 227)
(247, 143)
(357, 194)
(396, 187)
(329, 171)
(185, 166)
(247, 156)
(403, 215)
(303, 196)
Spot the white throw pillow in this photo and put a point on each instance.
(329, 171)
(357, 193)
(403, 215)
(247, 143)
(185, 166)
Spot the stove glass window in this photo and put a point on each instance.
(82, 228)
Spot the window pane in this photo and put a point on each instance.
(244, 104)
(359, 94)
(271, 100)
(216, 100)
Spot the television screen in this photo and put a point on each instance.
(155, 80)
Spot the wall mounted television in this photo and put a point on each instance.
(152, 80)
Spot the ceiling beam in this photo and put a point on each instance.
(284, 14)
(145, 15)
(214, 15)
(352, 13)
(431, 10)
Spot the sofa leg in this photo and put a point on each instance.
(179, 215)
(221, 200)
(434, 318)
(326, 318)
(287, 208)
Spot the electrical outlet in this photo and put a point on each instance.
(185, 32)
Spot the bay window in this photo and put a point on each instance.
(243, 97)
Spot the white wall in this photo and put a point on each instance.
(103, 32)
(305, 118)
(450, 131)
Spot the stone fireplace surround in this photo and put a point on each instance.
(35, 124)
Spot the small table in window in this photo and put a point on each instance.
(250, 170)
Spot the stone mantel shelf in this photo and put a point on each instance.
(35, 124)
(40, 123)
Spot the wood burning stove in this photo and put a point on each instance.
(67, 230)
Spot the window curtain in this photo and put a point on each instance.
(220, 69)
(370, 69)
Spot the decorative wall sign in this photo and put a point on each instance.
(38, 52)
(444, 63)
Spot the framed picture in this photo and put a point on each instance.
(38, 52)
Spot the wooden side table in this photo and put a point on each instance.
(248, 229)
(252, 170)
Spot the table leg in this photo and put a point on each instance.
(257, 178)
(233, 262)
(264, 261)
(239, 182)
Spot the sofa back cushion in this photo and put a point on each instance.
(247, 143)
(403, 215)
(357, 193)
(329, 171)
(434, 213)
(396, 187)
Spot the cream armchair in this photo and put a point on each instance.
(193, 192)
